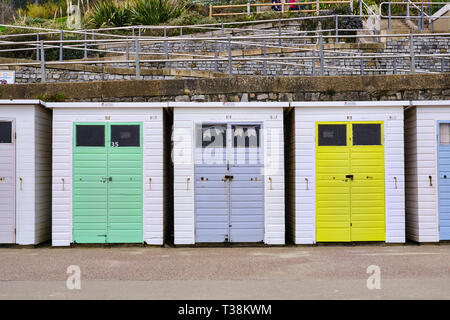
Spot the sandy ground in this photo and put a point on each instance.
(319, 272)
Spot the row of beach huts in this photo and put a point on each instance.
(255, 172)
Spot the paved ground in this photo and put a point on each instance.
(322, 272)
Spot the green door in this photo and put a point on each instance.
(107, 187)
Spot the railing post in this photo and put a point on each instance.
(139, 31)
(389, 16)
(360, 8)
(336, 28)
(322, 59)
(407, 9)
(181, 38)
(248, 8)
(127, 53)
(361, 66)
(223, 35)
(37, 47)
(411, 52)
(313, 63)
(166, 49)
(442, 64)
(137, 58)
(351, 6)
(317, 7)
(43, 77)
(166, 54)
(216, 65)
(85, 44)
(430, 21)
(422, 23)
(230, 59)
(375, 39)
(210, 11)
(265, 61)
(279, 33)
(394, 64)
(61, 37)
(134, 42)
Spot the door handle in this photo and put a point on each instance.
(229, 177)
(110, 179)
(349, 176)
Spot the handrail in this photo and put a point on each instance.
(312, 53)
(282, 5)
(406, 3)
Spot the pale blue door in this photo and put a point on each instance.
(444, 179)
(229, 183)
(211, 189)
(247, 186)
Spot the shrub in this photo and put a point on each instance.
(151, 12)
(108, 14)
(47, 10)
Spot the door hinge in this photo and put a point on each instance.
(351, 225)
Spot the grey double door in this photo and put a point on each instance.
(229, 183)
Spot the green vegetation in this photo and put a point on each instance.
(57, 97)
(109, 14)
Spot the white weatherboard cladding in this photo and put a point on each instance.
(305, 201)
(422, 214)
(32, 127)
(63, 120)
(185, 119)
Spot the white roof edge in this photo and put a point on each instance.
(253, 104)
(53, 105)
(431, 103)
(351, 104)
(22, 101)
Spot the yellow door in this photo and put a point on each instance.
(349, 181)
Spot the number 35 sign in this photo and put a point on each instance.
(7, 77)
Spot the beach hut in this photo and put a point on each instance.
(108, 173)
(346, 172)
(228, 172)
(25, 172)
(427, 161)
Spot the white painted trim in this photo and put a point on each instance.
(104, 105)
(431, 103)
(229, 104)
(21, 102)
(329, 104)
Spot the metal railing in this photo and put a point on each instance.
(421, 15)
(312, 54)
(281, 7)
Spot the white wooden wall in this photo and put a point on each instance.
(32, 157)
(185, 118)
(422, 214)
(305, 120)
(63, 119)
(43, 173)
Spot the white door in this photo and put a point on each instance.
(7, 181)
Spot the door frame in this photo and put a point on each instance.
(228, 153)
(437, 173)
(14, 173)
(349, 132)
